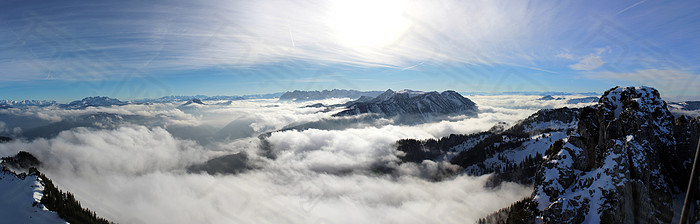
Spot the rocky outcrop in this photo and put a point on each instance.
(621, 164)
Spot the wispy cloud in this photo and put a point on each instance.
(630, 7)
(588, 62)
(399, 33)
(644, 75)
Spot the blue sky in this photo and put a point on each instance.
(67, 50)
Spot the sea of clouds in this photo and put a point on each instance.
(130, 164)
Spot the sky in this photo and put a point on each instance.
(68, 50)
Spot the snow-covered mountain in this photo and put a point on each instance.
(591, 99)
(623, 160)
(298, 95)
(550, 97)
(96, 101)
(413, 105)
(193, 101)
(191, 104)
(623, 164)
(170, 99)
(4, 104)
(688, 108)
(686, 105)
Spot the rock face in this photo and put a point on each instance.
(621, 165)
(413, 105)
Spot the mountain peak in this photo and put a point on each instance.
(193, 101)
(413, 105)
(641, 99)
(625, 145)
(95, 101)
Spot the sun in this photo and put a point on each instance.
(367, 25)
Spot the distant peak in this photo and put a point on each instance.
(95, 101)
(197, 101)
(193, 101)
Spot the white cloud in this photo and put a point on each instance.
(3, 127)
(565, 54)
(264, 197)
(591, 61)
(677, 84)
(131, 150)
(644, 75)
(136, 173)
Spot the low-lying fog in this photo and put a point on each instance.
(132, 164)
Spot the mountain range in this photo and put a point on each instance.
(299, 96)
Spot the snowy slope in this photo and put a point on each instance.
(21, 195)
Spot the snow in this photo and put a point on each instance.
(556, 125)
(18, 198)
(467, 145)
(536, 144)
(587, 185)
(411, 93)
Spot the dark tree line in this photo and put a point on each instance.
(5, 139)
(23, 160)
(428, 149)
(64, 203)
(516, 213)
(522, 173)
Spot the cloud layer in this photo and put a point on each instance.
(136, 171)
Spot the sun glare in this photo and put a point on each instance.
(366, 25)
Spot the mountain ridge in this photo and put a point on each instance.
(300, 96)
(420, 106)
